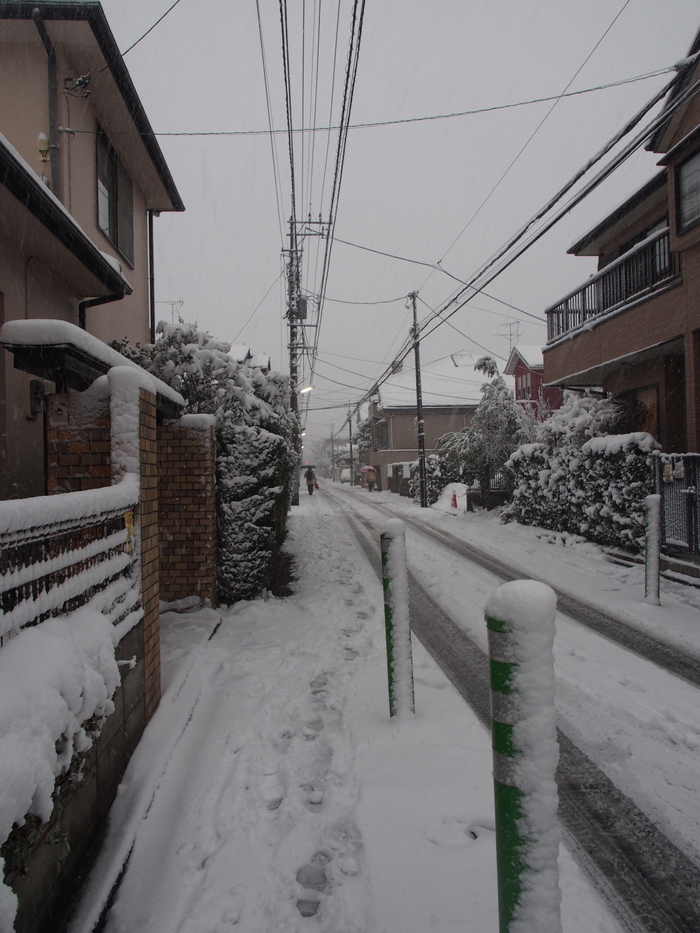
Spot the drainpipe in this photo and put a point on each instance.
(151, 278)
(53, 103)
(93, 302)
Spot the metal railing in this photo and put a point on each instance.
(677, 481)
(639, 272)
(53, 564)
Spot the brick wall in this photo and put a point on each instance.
(187, 507)
(150, 595)
(77, 446)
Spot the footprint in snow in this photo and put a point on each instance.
(455, 832)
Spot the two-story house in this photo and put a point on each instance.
(633, 329)
(81, 178)
(451, 391)
(526, 366)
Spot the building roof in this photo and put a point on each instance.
(89, 271)
(529, 354)
(450, 382)
(82, 28)
(652, 193)
(660, 139)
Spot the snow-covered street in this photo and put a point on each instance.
(271, 791)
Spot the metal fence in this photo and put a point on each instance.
(677, 480)
(53, 567)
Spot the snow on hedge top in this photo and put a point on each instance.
(614, 443)
(41, 332)
(446, 383)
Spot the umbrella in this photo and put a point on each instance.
(308, 466)
(364, 469)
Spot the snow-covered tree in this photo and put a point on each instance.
(362, 438)
(255, 457)
(499, 426)
(434, 479)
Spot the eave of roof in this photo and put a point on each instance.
(656, 143)
(641, 200)
(90, 11)
(28, 189)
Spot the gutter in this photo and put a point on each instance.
(94, 302)
(53, 120)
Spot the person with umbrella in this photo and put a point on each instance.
(310, 478)
(370, 476)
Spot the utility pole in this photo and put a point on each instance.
(352, 462)
(293, 283)
(419, 407)
(332, 455)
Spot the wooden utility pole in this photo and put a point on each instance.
(419, 407)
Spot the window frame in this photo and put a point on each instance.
(681, 225)
(115, 197)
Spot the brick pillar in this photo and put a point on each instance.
(187, 508)
(149, 549)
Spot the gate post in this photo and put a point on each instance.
(396, 618)
(652, 538)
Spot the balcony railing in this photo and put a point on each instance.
(646, 267)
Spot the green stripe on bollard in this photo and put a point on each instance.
(520, 624)
(507, 797)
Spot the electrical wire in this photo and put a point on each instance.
(438, 116)
(258, 306)
(268, 103)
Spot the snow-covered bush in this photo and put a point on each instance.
(255, 457)
(498, 427)
(434, 480)
(578, 478)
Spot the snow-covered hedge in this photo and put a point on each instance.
(433, 478)
(255, 457)
(578, 479)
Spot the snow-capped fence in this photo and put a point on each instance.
(396, 618)
(520, 618)
(58, 552)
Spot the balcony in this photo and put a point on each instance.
(642, 270)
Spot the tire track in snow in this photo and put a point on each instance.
(649, 882)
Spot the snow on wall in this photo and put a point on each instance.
(19, 514)
(53, 678)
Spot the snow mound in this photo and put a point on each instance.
(445, 502)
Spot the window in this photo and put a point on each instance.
(382, 434)
(115, 210)
(523, 386)
(688, 179)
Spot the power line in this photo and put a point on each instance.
(397, 122)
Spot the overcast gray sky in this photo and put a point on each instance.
(409, 189)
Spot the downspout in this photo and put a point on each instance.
(93, 302)
(53, 102)
(151, 279)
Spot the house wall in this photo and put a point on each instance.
(27, 288)
(402, 425)
(671, 314)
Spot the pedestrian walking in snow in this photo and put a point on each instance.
(371, 477)
(310, 478)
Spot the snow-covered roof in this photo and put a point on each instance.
(260, 361)
(240, 352)
(446, 383)
(530, 354)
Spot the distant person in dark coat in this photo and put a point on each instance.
(310, 478)
(371, 477)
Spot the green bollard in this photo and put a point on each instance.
(520, 620)
(396, 619)
(652, 541)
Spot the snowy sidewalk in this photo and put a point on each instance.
(272, 792)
